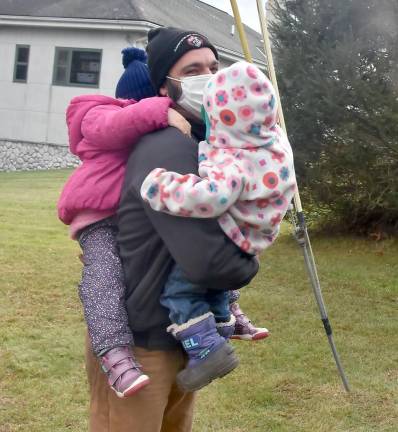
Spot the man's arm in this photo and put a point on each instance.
(198, 246)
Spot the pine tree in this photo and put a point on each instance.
(337, 63)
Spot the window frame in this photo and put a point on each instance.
(19, 63)
(68, 67)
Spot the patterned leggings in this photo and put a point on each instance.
(102, 288)
(233, 296)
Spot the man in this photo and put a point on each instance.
(151, 242)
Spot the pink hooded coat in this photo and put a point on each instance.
(102, 132)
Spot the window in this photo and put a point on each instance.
(77, 67)
(21, 63)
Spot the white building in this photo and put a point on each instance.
(53, 51)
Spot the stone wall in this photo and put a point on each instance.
(25, 156)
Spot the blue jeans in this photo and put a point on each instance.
(186, 301)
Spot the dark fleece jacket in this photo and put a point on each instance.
(151, 242)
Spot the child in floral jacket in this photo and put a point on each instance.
(246, 179)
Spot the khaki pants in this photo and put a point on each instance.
(159, 407)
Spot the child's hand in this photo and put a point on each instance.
(176, 120)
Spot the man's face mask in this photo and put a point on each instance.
(192, 92)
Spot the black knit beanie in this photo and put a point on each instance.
(168, 44)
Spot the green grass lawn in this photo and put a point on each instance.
(286, 383)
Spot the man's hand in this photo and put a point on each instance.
(176, 120)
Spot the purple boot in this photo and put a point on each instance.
(124, 374)
(210, 356)
(244, 329)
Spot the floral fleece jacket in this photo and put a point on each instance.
(246, 168)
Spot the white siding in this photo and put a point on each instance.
(35, 111)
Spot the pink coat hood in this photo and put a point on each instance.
(102, 132)
(77, 109)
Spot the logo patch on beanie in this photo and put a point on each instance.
(193, 40)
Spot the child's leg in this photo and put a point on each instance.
(184, 300)
(102, 292)
(219, 305)
(210, 357)
(102, 289)
(244, 329)
(233, 296)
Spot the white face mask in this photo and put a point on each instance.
(192, 88)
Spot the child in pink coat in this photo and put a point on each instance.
(102, 133)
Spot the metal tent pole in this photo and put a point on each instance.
(241, 31)
(300, 228)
